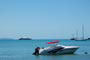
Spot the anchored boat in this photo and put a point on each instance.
(56, 49)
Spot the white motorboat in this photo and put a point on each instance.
(56, 49)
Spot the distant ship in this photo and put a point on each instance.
(73, 39)
(80, 39)
(25, 39)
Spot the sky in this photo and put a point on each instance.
(44, 19)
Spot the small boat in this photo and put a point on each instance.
(57, 49)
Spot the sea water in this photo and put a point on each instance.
(23, 49)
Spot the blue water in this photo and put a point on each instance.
(23, 49)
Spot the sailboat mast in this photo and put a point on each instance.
(76, 34)
(83, 31)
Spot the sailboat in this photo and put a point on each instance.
(79, 39)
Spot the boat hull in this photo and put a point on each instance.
(58, 50)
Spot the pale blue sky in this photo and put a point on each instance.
(41, 19)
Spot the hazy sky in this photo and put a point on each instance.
(41, 19)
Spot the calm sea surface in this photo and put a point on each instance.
(23, 49)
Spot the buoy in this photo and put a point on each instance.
(86, 52)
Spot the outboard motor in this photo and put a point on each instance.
(36, 51)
